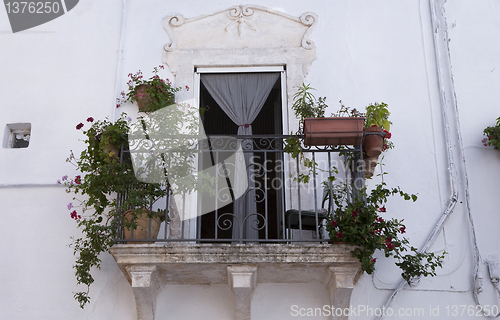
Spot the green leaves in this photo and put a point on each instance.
(492, 135)
(305, 104)
(378, 115)
(102, 176)
(359, 224)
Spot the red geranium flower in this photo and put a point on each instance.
(79, 126)
(340, 235)
(90, 119)
(382, 209)
(78, 180)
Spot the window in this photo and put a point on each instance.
(257, 213)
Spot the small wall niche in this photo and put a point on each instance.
(17, 135)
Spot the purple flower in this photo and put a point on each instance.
(129, 119)
(64, 178)
(58, 181)
(70, 205)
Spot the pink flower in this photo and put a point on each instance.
(388, 243)
(79, 126)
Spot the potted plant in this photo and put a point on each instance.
(377, 133)
(492, 134)
(358, 223)
(101, 177)
(319, 130)
(150, 95)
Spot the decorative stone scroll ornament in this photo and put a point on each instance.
(243, 26)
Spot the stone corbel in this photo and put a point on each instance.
(242, 280)
(145, 286)
(340, 281)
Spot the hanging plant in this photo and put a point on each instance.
(150, 95)
(492, 134)
(358, 223)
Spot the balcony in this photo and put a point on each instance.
(271, 230)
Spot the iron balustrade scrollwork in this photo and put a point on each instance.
(274, 204)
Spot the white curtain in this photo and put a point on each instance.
(241, 96)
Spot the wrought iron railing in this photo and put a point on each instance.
(271, 206)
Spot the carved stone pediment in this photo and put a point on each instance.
(245, 26)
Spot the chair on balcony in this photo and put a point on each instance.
(307, 217)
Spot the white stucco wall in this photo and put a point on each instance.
(58, 74)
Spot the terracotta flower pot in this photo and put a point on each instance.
(370, 164)
(143, 98)
(333, 131)
(374, 143)
(141, 232)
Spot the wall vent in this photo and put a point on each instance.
(17, 135)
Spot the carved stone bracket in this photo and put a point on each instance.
(340, 281)
(145, 286)
(242, 280)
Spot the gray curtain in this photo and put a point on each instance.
(241, 96)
